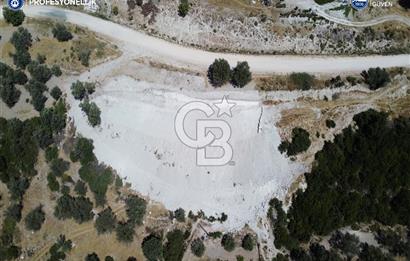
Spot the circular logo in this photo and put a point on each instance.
(15, 4)
(359, 4)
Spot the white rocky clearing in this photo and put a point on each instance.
(137, 139)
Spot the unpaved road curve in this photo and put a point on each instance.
(199, 59)
(320, 10)
(375, 21)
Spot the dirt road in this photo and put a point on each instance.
(181, 55)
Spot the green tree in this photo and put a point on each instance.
(152, 247)
(78, 208)
(347, 243)
(219, 72)
(302, 81)
(180, 215)
(21, 39)
(92, 111)
(115, 10)
(15, 18)
(84, 56)
(39, 72)
(175, 247)
(125, 232)
(80, 188)
(78, 90)
(248, 242)
(61, 33)
(376, 78)
(52, 182)
(136, 208)
(38, 99)
(92, 257)
(183, 8)
(56, 70)
(83, 151)
(197, 247)
(405, 4)
(21, 58)
(106, 221)
(98, 177)
(56, 93)
(241, 74)
(19, 77)
(9, 94)
(330, 123)
(35, 218)
(300, 142)
(60, 248)
(228, 242)
(59, 166)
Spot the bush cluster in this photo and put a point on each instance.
(219, 73)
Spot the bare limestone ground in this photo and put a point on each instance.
(237, 26)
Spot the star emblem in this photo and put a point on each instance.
(225, 107)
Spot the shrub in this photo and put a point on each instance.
(39, 72)
(61, 33)
(92, 111)
(98, 178)
(347, 243)
(38, 99)
(92, 257)
(183, 8)
(78, 90)
(219, 72)
(59, 166)
(180, 215)
(152, 247)
(21, 39)
(83, 151)
(56, 70)
(115, 10)
(14, 211)
(136, 208)
(241, 74)
(175, 247)
(228, 242)
(35, 219)
(302, 81)
(405, 4)
(81, 90)
(322, 2)
(51, 153)
(78, 208)
(9, 94)
(19, 77)
(197, 247)
(125, 232)
(21, 58)
(80, 188)
(60, 248)
(376, 78)
(330, 123)
(300, 142)
(84, 56)
(52, 182)
(15, 18)
(248, 242)
(56, 93)
(105, 221)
